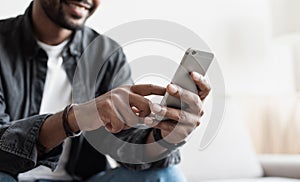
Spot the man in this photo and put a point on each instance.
(39, 60)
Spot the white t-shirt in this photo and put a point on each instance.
(56, 96)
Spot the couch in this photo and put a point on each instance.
(231, 156)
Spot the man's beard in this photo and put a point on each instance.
(59, 17)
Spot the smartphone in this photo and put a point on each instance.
(193, 60)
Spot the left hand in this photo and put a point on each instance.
(181, 123)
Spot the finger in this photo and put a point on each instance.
(104, 116)
(174, 133)
(166, 125)
(135, 110)
(115, 125)
(203, 95)
(200, 81)
(148, 89)
(141, 103)
(180, 116)
(114, 115)
(202, 84)
(149, 121)
(127, 115)
(126, 127)
(190, 98)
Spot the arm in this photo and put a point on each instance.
(153, 156)
(18, 140)
(116, 103)
(114, 73)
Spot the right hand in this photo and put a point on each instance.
(117, 110)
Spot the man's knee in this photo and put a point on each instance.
(6, 178)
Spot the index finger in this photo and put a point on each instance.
(148, 89)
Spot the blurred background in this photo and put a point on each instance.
(256, 43)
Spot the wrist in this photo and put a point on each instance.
(72, 120)
(70, 125)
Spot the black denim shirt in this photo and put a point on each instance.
(23, 68)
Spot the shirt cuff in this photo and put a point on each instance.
(20, 139)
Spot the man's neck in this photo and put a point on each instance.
(45, 30)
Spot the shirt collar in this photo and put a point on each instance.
(75, 47)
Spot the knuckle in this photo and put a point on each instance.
(107, 104)
(117, 124)
(116, 91)
(177, 116)
(207, 88)
(198, 103)
(201, 112)
(195, 100)
(202, 96)
(114, 97)
(142, 107)
(115, 101)
(122, 90)
(146, 102)
(163, 111)
(170, 127)
(182, 116)
(150, 86)
(131, 88)
(196, 121)
(181, 92)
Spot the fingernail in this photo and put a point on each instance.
(148, 121)
(173, 89)
(197, 76)
(156, 108)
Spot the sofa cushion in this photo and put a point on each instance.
(230, 155)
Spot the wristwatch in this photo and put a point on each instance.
(159, 139)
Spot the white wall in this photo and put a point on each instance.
(238, 31)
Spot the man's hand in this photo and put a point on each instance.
(181, 123)
(114, 109)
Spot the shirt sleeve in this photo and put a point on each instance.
(18, 141)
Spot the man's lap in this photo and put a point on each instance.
(6, 178)
(122, 174)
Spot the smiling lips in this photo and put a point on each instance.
(80, 4)
(78, 9)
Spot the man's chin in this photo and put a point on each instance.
(71, 25)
